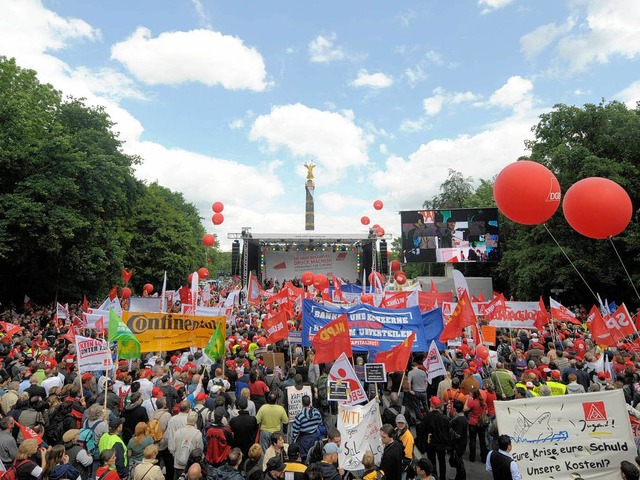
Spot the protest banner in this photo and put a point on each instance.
(585, 435)
(374, 329)
(375, 373)
(433, 363)
(294, 400)
(514, 315)
(342, 371)
(92, 354)
(359, 426)
(165, 331)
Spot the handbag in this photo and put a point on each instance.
(483, 421)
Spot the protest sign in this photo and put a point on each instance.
(489, 335)
(337, 391)
(359, 426)
(585, 435)
(92, 354)
(375, 373)
(294, 400)
(342, 371)
(165, 331)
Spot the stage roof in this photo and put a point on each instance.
(304, 238)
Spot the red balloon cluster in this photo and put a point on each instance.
(148, 288)
(126, 293)
(597, 207)
(307, 279)
(400, 278)
(217, 218)
(217, 207)
(203, 273)
(527, 192)
(208, 240)
(378, 205)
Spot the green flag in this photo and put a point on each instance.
(215, 348)
(128, 344)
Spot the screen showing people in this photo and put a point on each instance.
(456, 235)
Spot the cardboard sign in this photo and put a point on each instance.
(294, 400)
(375, 373)
(489, 335)
(337, 391)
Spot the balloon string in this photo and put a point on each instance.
(572, 264)
(625, 268)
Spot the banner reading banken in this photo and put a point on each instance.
(167, 331)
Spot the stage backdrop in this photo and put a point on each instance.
(289, 265)
(374, 329)
(559, 438)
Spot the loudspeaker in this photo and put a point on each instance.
(236, 268)
(384, 264)
(366, 259)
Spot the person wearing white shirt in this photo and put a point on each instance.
(146, 386)
(52, 380)
(500, 462)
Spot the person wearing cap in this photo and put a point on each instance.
(433, 437)
(146, 386)
(274, 468)
(112, 441)
(151, 405)
(555, 384)
(204, 414)
(294, 463)
(404, 435)
(500, 462)
(78, 456)
(88, 384)
(327, 465)
(183, 442)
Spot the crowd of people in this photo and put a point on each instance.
(175, 416)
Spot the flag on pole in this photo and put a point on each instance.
(62, 311)
(463, 316)
(342, 371)
(276, 327)
(128, 344)
(85, 304)
(10, 328)
(70, 336)
(100, 326)
(623, 320)
(194, 291)
(253, 290)
(126, 276)
(28, 433)
(599, 330)
(433, 363)
(332, 340)
(542, 318)
(562, 313)
(397, 358)
(434, 289)
(215, 347)
(496, 308)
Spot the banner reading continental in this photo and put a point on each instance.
(585, 435)
(169, 331)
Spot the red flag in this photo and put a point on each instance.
(10, 328)
(331, 340)
(461, 317)
(85, 304)
(70, 335)
(476, 336)
(481, 297)
(496, 308)
(100, 325)
(474, 299)
(451, 330)
(434, 289)
(126, 276)
(622, 320)
(113, 293)
(337, 289)
(28, 433)
(541, 316)
(599, 330)
(560, 312)
(276, 327)
(397, 358)
(254, 291)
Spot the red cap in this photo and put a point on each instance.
(146, 373)
(467, 371)
(174, 359)
(435, 401)
(602, 375)
(201, 396)
(555, 374)
(157, 392)
(86, 376)
(123, 363)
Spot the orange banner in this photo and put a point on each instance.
(168, 331)
(489, 335)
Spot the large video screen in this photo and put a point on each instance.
(456, 235)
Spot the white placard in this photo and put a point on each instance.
(359, 426)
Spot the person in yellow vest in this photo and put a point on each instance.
(113, 440)
(405, 436)
(556, 386)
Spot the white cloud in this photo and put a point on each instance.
(412, 126)
(415, 75)
(372, 80)
(630, 95)
(203, 18)
(323, 50)
(236, 124)
(533, 43)
(109, 83)
(384, 149)
(517, 94)
(434, 57)
(491, 5)
(579, 92)
(199, 55)
(331, 139)
(434, 104)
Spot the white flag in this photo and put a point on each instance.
(342, 370)
(460, 283)
(433, 363)
(92, 354)
(194, 291)
(108, 303)
(413, 300)
(163, 300)
(62, 311)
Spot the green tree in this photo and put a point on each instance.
(453, 192)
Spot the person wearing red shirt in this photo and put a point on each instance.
(257, 388)
(464, 348)
(107, 470)
(48, 359)
(184, 292)
(70, 358)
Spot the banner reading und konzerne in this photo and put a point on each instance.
(584, 435)
(166, 331)
(374, 329)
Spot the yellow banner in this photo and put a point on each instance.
(169, 331)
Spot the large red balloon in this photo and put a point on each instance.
(378, 205)
(395, 265)
(372, 277)
(203, 273)
(148, 288)
(597, 207)
(217, 207)
(366, 298)
(320, 281)
(365, 220)
(307, 279)
(380, 232)
(482, 352)
(125, 293)
(208, 240)
(217, 218)
(401, 278)
(527, 192)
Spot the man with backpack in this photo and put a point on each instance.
(93, 428)
(451, 395)
(183, 442)
(394, 409)
(458, 366)
(159, 422)
(322, 402)
(218, 439)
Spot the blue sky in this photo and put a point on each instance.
(225, 101)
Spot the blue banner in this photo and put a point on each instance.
(374, 329)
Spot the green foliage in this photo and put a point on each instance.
(453, 192)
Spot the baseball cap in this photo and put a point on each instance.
(157, 392)
(555, 374)
(115, 423)
(86, 376)
(201, 396)
(276, 464)
(401, 418)
(331, 447)
(466, 371)
(435, 401)
(602, 375)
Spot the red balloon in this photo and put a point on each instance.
(401, 278)
(378, 205)
(190, 278)
(320, 281)
(217, 207)
(597, 207)
(203, 273)
(217, 218)
(375, 226)
(372, 276)
(126, 293)
(307, 279)
(365, 220)
(527, 192)
(148, 288)
(482, 352)
(366, 298)
(380, 232)
(395, 265)
(208, 240)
